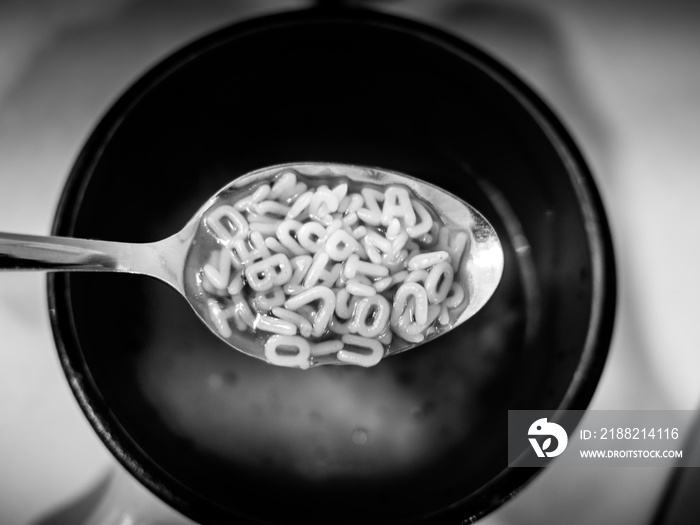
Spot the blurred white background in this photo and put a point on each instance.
(625, 78)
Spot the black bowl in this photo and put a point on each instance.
(421, 437)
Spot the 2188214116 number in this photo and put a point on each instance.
(631, 433)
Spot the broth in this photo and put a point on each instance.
(235, 237)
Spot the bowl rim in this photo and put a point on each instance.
(509, 481)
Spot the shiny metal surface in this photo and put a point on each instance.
(168, 260)
(32, 252)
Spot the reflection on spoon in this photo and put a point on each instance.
(309, 264)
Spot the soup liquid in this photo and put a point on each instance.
(406, 438)
(418, 423)
(254, 341)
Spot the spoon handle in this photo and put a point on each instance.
(34, 252)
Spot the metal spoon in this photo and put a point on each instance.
(177, 260)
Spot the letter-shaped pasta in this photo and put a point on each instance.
(302, 261)
(344, 303)
(351, 219)
(299, 189)
(220, 274)
(274, 325)
(301, 322)
(330, 277)
(426, 260)
(382, 284)
(265, 228)
(267, 208)
(417, 276)
(266, 301)
(339, 327)
(396, 263)
(359, 232)
(371, 213)
(420, 330)
(408, 329)
(423, 226)
(376, 245)
(251, 250)
(369, 353)
(356, 202)
(220, 320)
(234, 226)
(239, 312)
(343, 204)
(393, 229)
(340, 245)
(288, 350)
(397, 205)
(262, 218)
(312, 236)
(399, 277)
(354, 265)
(323, 202)
(351, 203)
(340, 191)
(283, 186)
(386, 337)
(300, 267)
(257, 219)
(456, 296)
(236, 285)
(326, 219)
(300, 205)
(270, 272)
(248, 203)
(318, 274)
(397, 252)
(438, 282)
(254, 218)
(285, 230)
(337, 224)
(419, 295)
(209, 288)
(356, 287)
(371, 316)
(455, 244)
(326, 347)
(242, 310)
(444, 317)
(274, 245)
(318, 265)
(350, 268)
(325, 311)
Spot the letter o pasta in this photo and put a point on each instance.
(439, 282)
(330, 270)
(300, 359)
(371, 316)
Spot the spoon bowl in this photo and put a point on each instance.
(178, 260)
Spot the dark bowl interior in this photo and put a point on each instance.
(225, 438)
